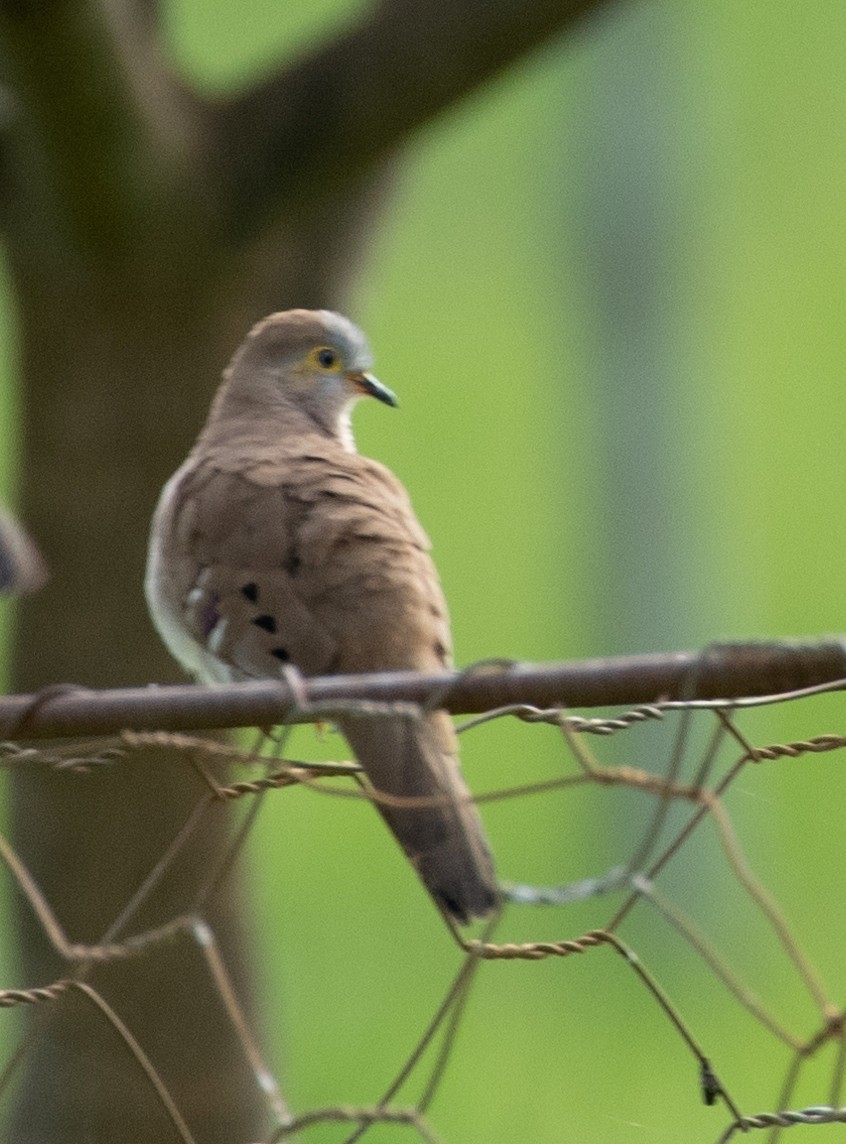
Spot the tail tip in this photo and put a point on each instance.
(464, 907)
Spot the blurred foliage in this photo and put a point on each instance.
(609, 293)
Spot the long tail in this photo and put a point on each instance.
(418, 758)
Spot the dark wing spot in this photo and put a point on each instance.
(250, 591)
(266, 623)
(292, 564)
(280, 654)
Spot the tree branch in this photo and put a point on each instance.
(99, 119)
(305, 133)
(723, 671)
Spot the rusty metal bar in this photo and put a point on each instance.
(720, 671)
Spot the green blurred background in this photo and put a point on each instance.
(609, 291)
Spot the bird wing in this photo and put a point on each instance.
(315, 559)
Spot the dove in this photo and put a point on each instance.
(277, 543)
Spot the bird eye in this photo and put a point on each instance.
(326, 358)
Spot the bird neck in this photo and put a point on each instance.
(289, 428)
(263, 411)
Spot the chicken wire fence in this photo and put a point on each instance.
(682, 780)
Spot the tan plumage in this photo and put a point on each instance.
(276, 542)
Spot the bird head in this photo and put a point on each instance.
(311, 363)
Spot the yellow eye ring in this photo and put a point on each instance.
(325, 358)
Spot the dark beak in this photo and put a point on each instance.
(371, 386)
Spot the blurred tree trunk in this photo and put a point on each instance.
(146, 229)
